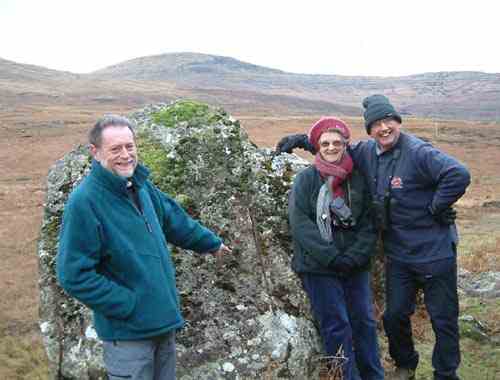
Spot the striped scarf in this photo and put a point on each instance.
(334, 175)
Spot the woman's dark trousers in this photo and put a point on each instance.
(343, 309)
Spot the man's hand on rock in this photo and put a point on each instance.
(223, 250)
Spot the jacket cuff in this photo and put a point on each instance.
(213, 250)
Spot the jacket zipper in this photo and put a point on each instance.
(348, 193)
(148, 226)
(141, 213)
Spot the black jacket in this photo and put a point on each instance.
(312, 254)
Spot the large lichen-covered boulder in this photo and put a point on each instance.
(247, 316)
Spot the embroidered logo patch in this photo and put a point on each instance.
(397, 183)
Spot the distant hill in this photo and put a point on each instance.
(29, 84)
(13, 71)
(461, 95)
(182, 66)
(244, 87)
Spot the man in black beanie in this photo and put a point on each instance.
(377, 107)
(413, 186)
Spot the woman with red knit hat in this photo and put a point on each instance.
(334, 241)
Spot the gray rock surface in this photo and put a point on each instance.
(473, 328)
(247, 317)
(485, 284)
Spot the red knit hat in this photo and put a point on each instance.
(325, 124)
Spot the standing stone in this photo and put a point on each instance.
(248, 317)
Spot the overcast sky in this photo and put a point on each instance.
(347, 37)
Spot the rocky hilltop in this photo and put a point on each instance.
(181, 66)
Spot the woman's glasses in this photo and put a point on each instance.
(336, 144)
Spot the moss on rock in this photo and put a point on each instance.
(166, 172)
(192, 112)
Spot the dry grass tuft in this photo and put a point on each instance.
(22, 359)
(331, 367)
(484, 256)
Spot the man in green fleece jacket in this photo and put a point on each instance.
(113, 255)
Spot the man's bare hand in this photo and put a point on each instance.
(223, 250)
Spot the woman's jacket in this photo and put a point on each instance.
(313, 254)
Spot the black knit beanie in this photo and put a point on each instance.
(378, 107)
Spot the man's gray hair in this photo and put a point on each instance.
(95, 134)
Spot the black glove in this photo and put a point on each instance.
(288, 143)
(445, 217)
(344, 265)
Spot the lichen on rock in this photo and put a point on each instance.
(247, 318)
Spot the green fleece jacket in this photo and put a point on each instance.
(114, 258)
(313, 254)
